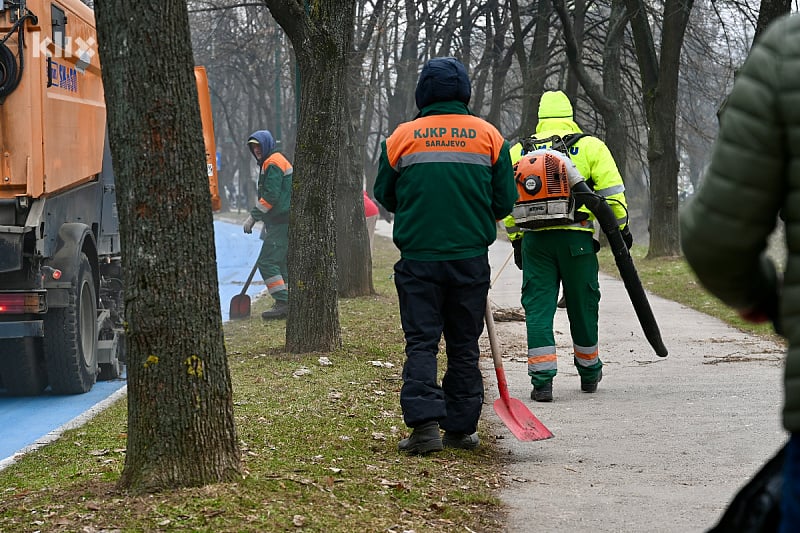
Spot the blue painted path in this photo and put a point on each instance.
(26, 422)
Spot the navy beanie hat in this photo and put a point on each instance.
(442, 79)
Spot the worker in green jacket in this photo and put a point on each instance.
(752, 181)
(565, 255)
(272, 208)
(446, 175)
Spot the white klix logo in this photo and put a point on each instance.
(83, 49)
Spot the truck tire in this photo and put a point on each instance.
(70, 337)
(21, 367)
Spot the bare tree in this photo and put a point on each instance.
(607, 98)
(251, 71)
(659, 74)
(533, 65)
(180, 412)
(321, 38)
(353, 257)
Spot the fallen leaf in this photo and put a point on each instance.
(302, 371)
(98, 452)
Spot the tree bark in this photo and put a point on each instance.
(401, 102)
(321, 38)
(533, 65)
(660, 94)
(769, 11)
(353, 256)
(180, 412)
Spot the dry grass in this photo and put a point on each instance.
(318, 447)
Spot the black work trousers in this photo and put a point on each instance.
(442, 297)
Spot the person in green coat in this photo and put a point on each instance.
(753, 180)
(446, 176)
(274, 198)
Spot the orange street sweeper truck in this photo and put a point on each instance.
(61, 285)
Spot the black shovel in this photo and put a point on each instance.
(240, 304)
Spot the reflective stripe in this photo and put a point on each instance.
(443, 157)
(585, 356)
(610, 191)
(622, 221)
(263, 205)
(275, 284)
(543, 350)
(543, 358)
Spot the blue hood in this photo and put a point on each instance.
(264, 138)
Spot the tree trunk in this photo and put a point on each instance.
(660, 94)
(180, 413)
(769, 11)
(353, 256)
(401, 103)
(321, 38)
(578, 25)
(533, 66)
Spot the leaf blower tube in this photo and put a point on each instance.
(608, 222)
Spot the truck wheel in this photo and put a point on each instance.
(22, 367)
(70, 337)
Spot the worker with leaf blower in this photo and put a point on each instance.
(446, 175)
(274, 198)
(557, 247)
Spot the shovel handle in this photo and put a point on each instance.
(498, 361)
(249, 279)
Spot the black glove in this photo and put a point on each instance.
(517, 245)
(627, 237)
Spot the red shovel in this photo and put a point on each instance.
(514, 414)
(240, 304)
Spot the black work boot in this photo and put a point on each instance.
(424, 439)
(279, 310)
(543, 393)
(591, 386)
(462, 441)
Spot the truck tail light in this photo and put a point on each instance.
(15, 303)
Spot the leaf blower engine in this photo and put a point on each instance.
(544, 181)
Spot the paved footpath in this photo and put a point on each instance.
(662, 446)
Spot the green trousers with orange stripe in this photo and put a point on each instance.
(551, 258)
(272, 260)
